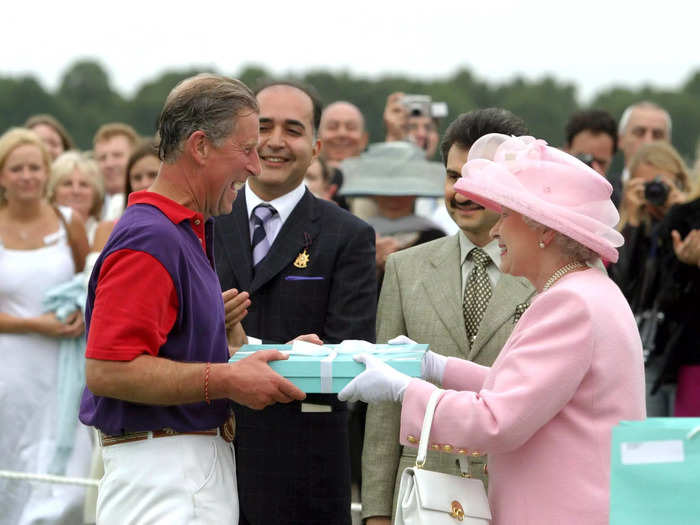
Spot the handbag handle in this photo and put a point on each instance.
(425, 430)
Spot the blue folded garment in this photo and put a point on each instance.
(63, 300)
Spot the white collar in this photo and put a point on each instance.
(284, 204)
(625, 174)
(491, 249)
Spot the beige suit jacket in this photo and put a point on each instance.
(421, 297)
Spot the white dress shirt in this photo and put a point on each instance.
(284, 206)
(493, 270)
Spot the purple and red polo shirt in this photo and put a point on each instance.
(154, 291)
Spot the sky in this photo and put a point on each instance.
(594, 44)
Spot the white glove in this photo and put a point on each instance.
(378, 383)
(432, 368)
(401, 340)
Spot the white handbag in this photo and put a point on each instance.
(434, 498)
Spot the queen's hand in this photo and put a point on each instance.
(433, 367)
(379, 382)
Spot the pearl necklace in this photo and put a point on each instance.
(561, 272)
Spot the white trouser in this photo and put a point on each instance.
(183, 479)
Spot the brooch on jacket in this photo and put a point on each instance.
(302, 260)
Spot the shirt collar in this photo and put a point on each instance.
(491, 249)
(284, 204)
(625, 174)
(171, 209)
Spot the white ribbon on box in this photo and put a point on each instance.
(349, 346)
(310, 349)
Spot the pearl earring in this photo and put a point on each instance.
(541, 244)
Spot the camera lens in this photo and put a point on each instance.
(656, 192)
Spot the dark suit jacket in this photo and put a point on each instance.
(679, 290)
(293, 467)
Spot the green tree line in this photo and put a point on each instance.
(86, 98)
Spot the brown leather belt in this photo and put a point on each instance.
(227, 431)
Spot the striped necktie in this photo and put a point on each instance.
(477, 293)
(260, 243)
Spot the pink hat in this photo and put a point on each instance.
(549, 186)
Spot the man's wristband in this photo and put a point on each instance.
(206, 383)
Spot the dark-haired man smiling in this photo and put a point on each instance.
(309, 269)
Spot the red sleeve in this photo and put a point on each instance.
(135, 307)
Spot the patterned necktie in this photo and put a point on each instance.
(260, 243)
(520, 310)
(477, 293)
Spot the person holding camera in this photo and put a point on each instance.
(658, 180)
(416, 119)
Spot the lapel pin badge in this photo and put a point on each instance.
(302, 260)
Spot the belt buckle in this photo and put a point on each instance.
(107, 440)
(228, 429)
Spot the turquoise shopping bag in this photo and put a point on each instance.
(655, 472)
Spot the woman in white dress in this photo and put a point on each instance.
(38, 250)
(76, 182)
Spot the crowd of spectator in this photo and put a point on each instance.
(59, 206)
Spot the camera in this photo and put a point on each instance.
(656, 191)
(423, 106)
(417, 105)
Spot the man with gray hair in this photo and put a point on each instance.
(158, 382)
(641, 123)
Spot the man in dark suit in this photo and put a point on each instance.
(309, 268)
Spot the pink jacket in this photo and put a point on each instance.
(544, 411)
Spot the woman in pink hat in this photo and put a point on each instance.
(572, 368)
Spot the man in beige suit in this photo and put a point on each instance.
(423, 297)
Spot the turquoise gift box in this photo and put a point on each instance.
(655, 472)
(329, 368)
